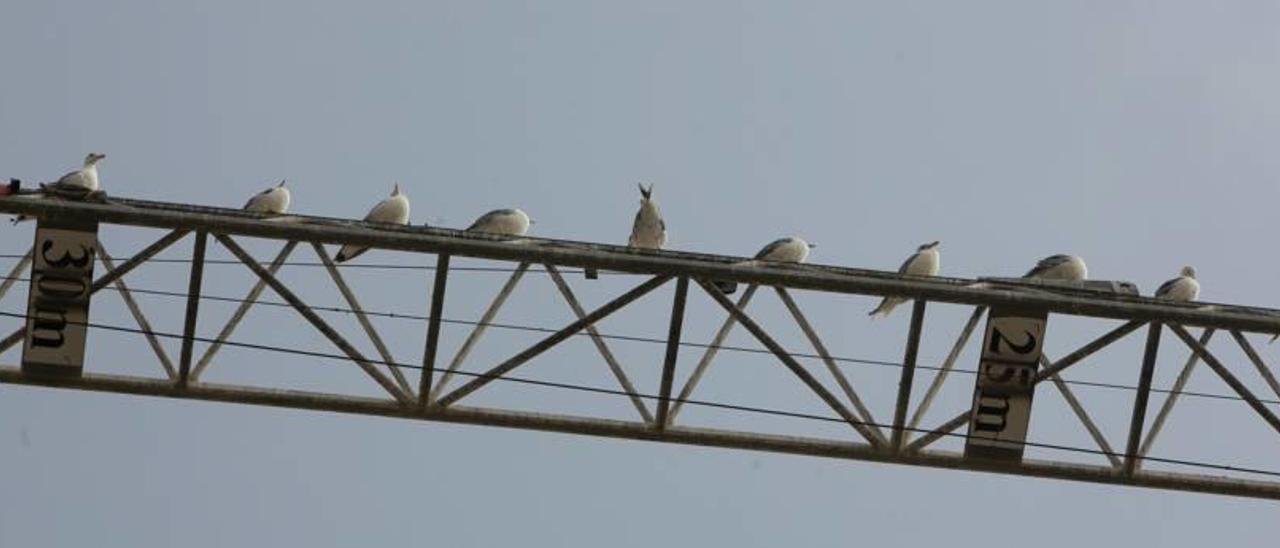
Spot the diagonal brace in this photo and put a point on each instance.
(946, 368)
(240, 312)
(791, 363)
(554, 339)
(1083, 415)
(316, 321)
(141, 257)
(1263, 370)
(138, 316)
(710, 354)
(478, 331)
(1217, 367)
(600, 345)
(839, 375)
(1174, 393)
(12, 278)
(1059, 366)
(362, 318)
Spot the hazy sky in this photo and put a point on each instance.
(1136, 134)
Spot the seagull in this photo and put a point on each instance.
(503, 222)
(274, 200)
(393, 210)
(924, 262)
(83, 180)
(1059, 267)
(1182, 289)
(783, 250)
(648, 231)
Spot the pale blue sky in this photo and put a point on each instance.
(1136, 134)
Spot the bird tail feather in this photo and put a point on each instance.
(349, 252)
(885, 307)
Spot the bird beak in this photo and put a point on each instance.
(281, 183)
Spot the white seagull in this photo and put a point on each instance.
(503, 222)
(1059, 267)
(393, 210)
(924, 262)
(1183, 288)
(782, 250)
(274, 200)
(84, 179)
(785, 250)
(648, 231)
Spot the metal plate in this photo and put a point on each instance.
(1001, 410)
(58, 302)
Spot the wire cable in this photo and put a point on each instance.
(658, 341)
(357, 266)
(652, 397)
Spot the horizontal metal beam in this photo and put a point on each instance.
(619, 258)
(636, 431)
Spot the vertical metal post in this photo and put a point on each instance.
(193, 307)
(712, 349)
(238, 315)
(908, 374)
(1174, 393)
(433, 330)
(947, 364)
(673, 351)
(438, 388)
(1140, 400)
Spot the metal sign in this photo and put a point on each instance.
(58, 302)
(1007, 369)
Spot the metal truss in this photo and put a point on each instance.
(902, 439)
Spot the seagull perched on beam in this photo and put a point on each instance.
(782, 250)
(274, 200)
(79, 182)
(502, 222)
(85, 178)
(924, 262)
(393, 210)
(1183, 288)
(648, 231)
(1059, 267)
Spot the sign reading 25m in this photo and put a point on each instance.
(1002, 396)
(58, 302)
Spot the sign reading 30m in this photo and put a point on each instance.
(58, 302)
(1001, 409)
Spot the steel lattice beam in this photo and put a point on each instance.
(657, 406)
